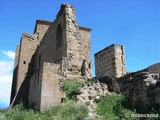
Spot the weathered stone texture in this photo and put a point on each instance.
(154, 68)
(51, 91)
(142, 88)
(57, 50)
(27, 49)
(110, 62)
(90, 96)
(40, 28)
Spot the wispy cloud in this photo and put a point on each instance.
(6, 68)
(6, 71)
(10, 54)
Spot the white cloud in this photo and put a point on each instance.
(10, 54)
(5, 91)
(6, 69)
(6, 72)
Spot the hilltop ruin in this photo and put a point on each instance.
(60, 50)
(57, 50)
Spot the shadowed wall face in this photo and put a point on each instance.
(24, 65)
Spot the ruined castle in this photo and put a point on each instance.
(57, 50)
(60, 50)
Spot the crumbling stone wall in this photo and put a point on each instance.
(141, 87)
(40, 28)
(110, 62)
(154, 68)
(23, 67)
(57, 50)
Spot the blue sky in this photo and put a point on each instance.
(131, 23)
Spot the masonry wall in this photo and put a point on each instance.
(24, 63)
(65, 41)
(24, 69)
(41, 27)
(142, 87)
(78, 47)
(154, 68)
(13, 90)
(110, 62)
(57, 50)
(35, 92)
(27, 48)
(51, 90)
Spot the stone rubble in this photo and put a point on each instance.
(91, 93)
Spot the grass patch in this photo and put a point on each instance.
(68, 110)
(114, 107)
(19, 112)
(72, 88)
(2, 116)
(117, 107)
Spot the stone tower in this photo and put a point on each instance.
(110, 62)
(56, 51)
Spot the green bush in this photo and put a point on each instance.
(72, 88)
(69, 110)
(19, 112)
(72, 111)
(114, 107)
(2, 116)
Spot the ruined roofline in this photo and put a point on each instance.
(62, 8)
(25, 34)
(42, 22)
(45, 22)
(65, 4)
(113, 45)
(85, 28)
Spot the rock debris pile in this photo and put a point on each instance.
(91, 93)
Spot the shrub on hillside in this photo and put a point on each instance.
(68, 110)
(19, 112)
(114, 107)
(73, 111)
(72, 88)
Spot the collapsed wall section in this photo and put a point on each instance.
(154, 68)
(142, 87)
